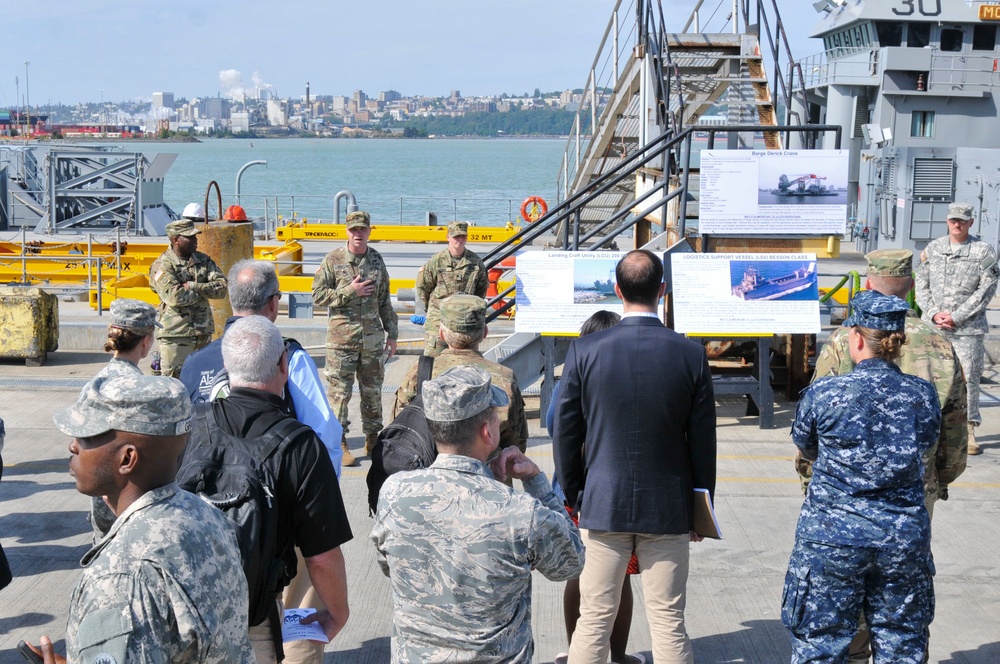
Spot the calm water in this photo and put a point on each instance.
(483, 181)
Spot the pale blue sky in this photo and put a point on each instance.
(130, 50)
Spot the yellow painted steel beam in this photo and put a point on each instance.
(64, 263)
(393, 233)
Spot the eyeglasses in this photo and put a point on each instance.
(277, 295)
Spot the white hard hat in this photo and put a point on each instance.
(193, 211)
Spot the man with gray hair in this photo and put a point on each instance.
(310, 510)
(458, 545)
(167, 578)
(254, 291)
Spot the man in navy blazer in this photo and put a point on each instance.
(634, 434)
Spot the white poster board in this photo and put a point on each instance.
(745, 293)
(773, 192)
(558, 290)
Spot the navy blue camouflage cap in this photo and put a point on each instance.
(133, 314)
(150, 405)
(876, 311)
(460, 393)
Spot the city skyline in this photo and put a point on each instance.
(106, 51)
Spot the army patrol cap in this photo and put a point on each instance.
(460, 393)
(182, 227)
(457, 228)
(133, 313)
(358, 219)
(463, 313)
(890, 263)
(150, 405)
(875, 311)
(960, 211)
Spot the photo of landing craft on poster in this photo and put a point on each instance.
(594, 282)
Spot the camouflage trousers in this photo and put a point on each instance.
(342, 365)
(174, 350)
(827, 587)
(970, 351)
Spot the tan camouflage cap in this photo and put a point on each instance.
(961, 211)
(456, 228)
(133, 313)
(358, 219)
(460, 393)
(182, 227)
(463, 313)
(890, 263)
(151, 405)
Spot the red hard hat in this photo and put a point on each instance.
(235, 213)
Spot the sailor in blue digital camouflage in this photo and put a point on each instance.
(354, 283)
(449, 272)
(927, 354)
(185, 280)
(955, 281)
(458, 545)
(166, 584)
(863, 536)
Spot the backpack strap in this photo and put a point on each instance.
(282, 432)
(425, 367)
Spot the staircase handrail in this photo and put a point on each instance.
(787, 89)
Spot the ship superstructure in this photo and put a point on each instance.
(914, 84)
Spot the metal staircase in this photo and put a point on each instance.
(631, 160)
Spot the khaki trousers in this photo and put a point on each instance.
(663, 567)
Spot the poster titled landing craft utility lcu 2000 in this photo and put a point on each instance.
(773, 192)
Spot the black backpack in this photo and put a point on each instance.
(406, 444)
(231, 473)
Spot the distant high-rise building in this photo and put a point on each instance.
(163, 100)
(455, 95)
(389, 96)
(215, 108)
(359, 98)
(339, 104)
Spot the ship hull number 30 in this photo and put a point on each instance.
(921, 7)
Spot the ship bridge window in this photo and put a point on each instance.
(918, 35)
(889, 34)
(951, 40)
(922, 124)
(984, 37)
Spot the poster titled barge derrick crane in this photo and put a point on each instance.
(745, 293)
(773, 192)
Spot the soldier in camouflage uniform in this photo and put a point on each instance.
(955, 281)
(462, 328)
(185, 280)
(167, 582)
(449, 272)
(354, 283)
(863, 536)
(459, 546)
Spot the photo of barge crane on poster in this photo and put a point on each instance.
(773, 192)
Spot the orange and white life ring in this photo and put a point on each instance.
(533, 208)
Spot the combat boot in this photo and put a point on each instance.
(370, 440)
(973, 445)
(348, 458)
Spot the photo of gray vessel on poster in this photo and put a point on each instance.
(594, 282)
(800, 180)
(774, 280)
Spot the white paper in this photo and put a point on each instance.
(773, 192)
(293, 630)
(745, 293)
(558, 290)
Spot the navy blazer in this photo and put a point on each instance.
(635, 428)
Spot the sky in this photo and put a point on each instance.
(110, 49)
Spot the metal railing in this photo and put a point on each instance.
(821, 69)
(777, 52)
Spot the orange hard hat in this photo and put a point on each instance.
(235, 213)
